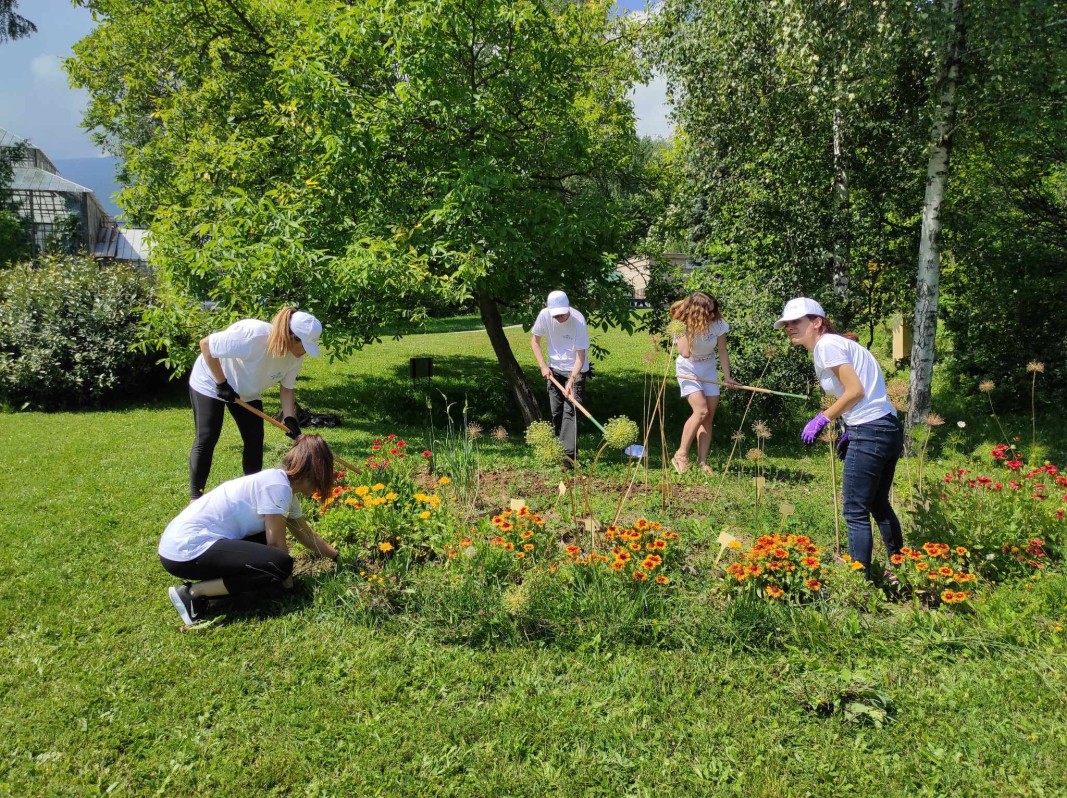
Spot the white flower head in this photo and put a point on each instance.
(961, 424)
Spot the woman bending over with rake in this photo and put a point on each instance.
(697, 370)
(234, 538)
(873, 438)
(241, 362)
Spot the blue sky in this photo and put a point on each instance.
(37, 103)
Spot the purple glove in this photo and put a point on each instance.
(813, 428)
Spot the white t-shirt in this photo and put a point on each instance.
(242, 348)
(836, 350)
(705, 347)
(563, 339)
(232, 511)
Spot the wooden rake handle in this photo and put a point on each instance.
(573, 401)
(743, 387)
(257, 412)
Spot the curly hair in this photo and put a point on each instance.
(697, 311)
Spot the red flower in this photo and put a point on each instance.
(401, 444)
(427, 453)
(390, 437)
(377, 441)
(394, 451)
(376, 447)
(998, 486)
(1000, 451)
(1014, 465)
(1014, 485)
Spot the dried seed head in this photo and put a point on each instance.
(754, 455)
(651, 357)
(474, 430)
(500, 434)
(1035, 367)
(516, 599)
(771, 352)
(986, 386)
(737, 437)
(933, 420)
(763, 432)
(675, 328)
(897, 389)
(827, 435)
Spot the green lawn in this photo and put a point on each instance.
(104, 694)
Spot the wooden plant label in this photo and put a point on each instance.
(761, 483)
(518, 504)
(562, 487)
(590, 524)
(725, 539)
(786, 509)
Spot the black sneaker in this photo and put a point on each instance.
(189, 608)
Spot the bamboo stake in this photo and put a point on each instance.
(257, 412)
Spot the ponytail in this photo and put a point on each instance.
(280, 334)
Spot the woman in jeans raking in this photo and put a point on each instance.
(875, 439)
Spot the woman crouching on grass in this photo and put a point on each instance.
(873, 435)
(701, 349)
(234, 538)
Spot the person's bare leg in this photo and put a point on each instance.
(694, 426)
(704, 434)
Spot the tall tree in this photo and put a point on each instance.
(942, 136)
(13, 26)
(360, 157)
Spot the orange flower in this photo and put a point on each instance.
(813, 584)
(635, 546)
(781, 554)
(856, 565)
(662, 580)
(810, 562)
(466, 542)
(642, 524)
(528, 547)
(659, 544)
(618, 565)
(526, 535)
(624, 556)
(640, 576)
(755, 570)
(509, 546)
(385, 546)
(921, 566)
(961, 551)
(656, 526)
(944, 570)
(897, 559)
(573, 550)
(519, 555)
(774, 591)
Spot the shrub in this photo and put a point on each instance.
(1011, 520)
(66, 329)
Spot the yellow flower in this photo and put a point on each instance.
(422, 497)
(856, 566)
(385, 546)
(390, 496)
(435, 501)
(528, 547)
(424, 514)
(444, 481)
(379, 486)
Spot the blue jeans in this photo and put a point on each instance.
(870, 464)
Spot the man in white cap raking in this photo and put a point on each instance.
(567, 337)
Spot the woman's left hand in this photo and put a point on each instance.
(730, 382)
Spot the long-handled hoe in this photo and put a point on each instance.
(257, 412)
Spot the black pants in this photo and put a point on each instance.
(244, 566)
(207, 416)
(564, 418)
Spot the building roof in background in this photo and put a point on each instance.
(9, 139)
(123, 243)
(30, 178)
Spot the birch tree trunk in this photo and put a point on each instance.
(937, 173)
(521, 394)
(842, 236)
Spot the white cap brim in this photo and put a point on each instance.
(312, 348)
(559, 311)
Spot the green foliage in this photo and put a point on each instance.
(370, 159)
(66, 326)
(14, 230)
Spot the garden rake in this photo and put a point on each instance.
(257, 412)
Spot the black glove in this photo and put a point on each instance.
(226, 393)
(842, 446)
(293, 425)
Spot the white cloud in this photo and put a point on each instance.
(47, 69)
(651, 108)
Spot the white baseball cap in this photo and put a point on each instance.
(308, 329)
(558, 304)
(797, 309)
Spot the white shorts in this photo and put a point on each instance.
(703, 370)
